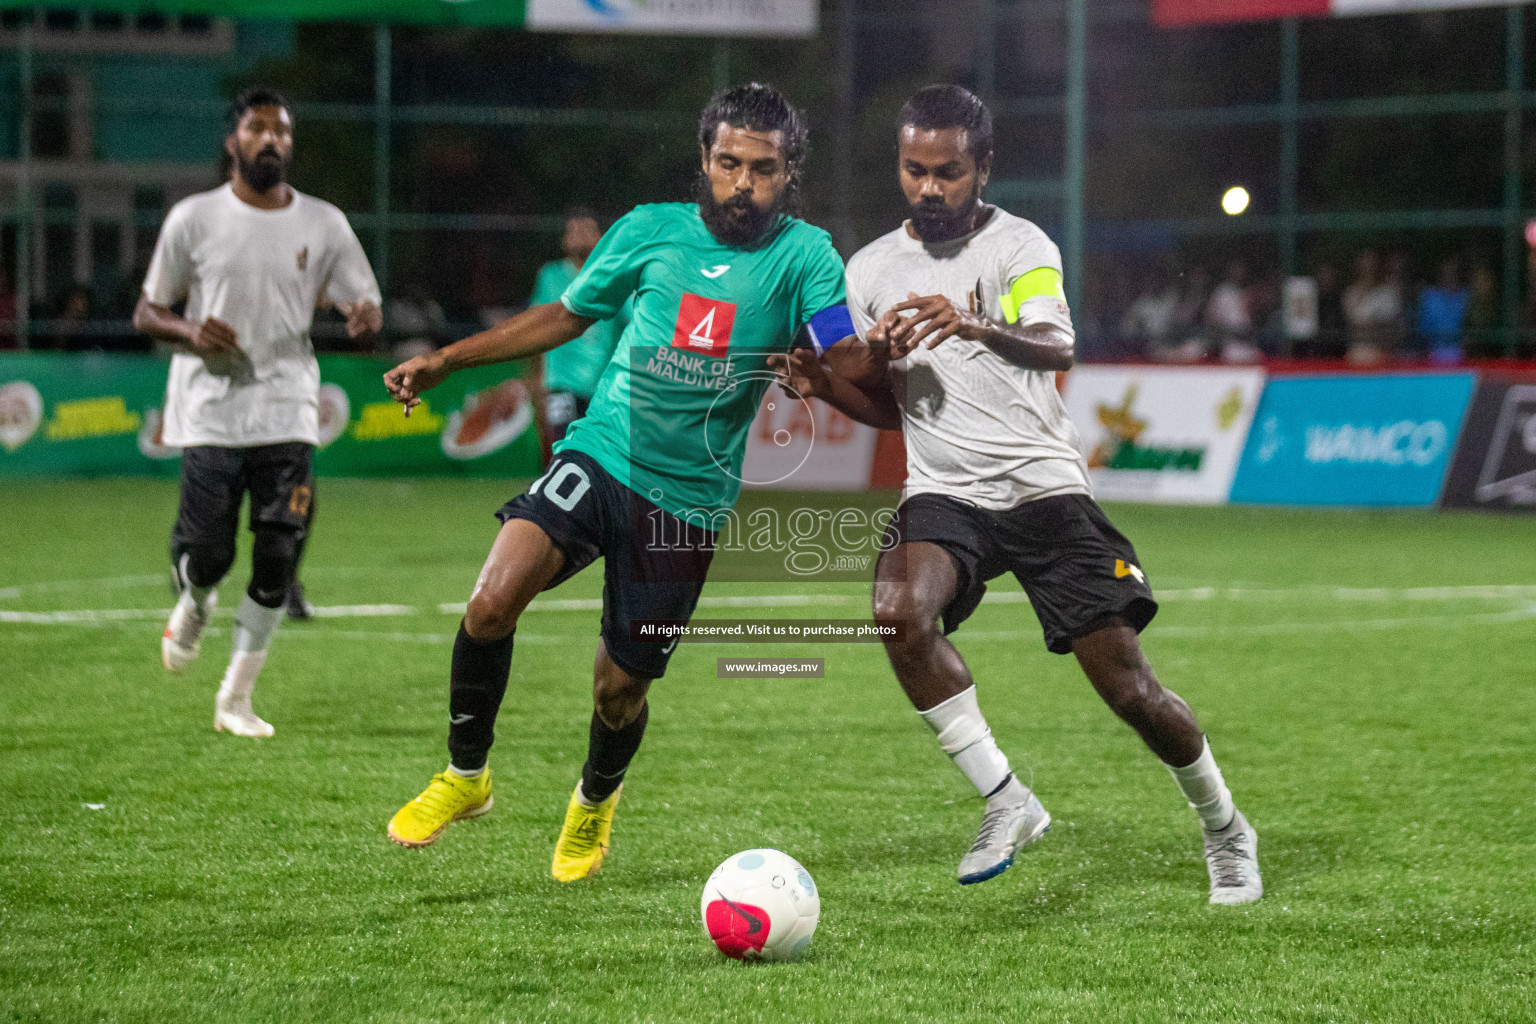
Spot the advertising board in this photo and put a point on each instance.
(99, 415)
(1162, 433)
(1368, 439)
(1495, 463)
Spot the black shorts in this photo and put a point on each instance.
(654, 563)
(1075, 566)
(279, 477)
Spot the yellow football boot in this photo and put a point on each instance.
(584, 837)
(447, 799)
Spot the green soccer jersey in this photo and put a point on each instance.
(576, 365)
(670, 416)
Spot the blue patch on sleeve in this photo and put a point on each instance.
(829, 327)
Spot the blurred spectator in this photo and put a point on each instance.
(7, 311)
(415, 321)
(1148, 323)
(1483, 321)
(565, 379)
(1229, 317)
(1332, 327)
(1373, 307)
(1188, 346)
(69, 329)
(1442, 310)
(1268, 316)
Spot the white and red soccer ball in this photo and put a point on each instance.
(761, 905)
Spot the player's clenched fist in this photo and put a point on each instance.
(407, 381)
(362, 318)
(934, 318)
(214, 335)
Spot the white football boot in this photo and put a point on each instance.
(1014, 818)
(183, 637)
(234, 715)
(1232, 858)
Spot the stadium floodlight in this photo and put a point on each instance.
(1235, 201)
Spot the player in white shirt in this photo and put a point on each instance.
(252, 260)
(964, 325)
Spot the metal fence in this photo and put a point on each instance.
(1060, 197)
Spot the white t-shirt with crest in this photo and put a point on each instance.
(977, 427)
(262, 272)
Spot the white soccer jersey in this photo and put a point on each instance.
(977, 427)
(262, 272)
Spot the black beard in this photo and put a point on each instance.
(935, 221)
(729, 229)
(263, 172)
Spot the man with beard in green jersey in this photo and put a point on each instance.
(718, 286)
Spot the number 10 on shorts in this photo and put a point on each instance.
(558, 477)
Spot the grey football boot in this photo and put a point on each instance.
(1013, 819)
(1232, 858)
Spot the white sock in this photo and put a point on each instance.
(254, 626)
(1202, 785)
(240, 677)
(964, 736)
(192, 595)
(461, 773)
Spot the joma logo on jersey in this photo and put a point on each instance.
(704, 325)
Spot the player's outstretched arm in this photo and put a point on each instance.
(532, 332)
(200, 338)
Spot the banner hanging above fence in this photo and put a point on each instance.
(676, 17)
(415, 12)
(1171, 13)
(663, 17)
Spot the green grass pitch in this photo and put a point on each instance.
(1367, 681)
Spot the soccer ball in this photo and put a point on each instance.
(760, 905)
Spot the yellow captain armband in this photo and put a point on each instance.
(1041, 281)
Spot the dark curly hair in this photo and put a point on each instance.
(761, 108)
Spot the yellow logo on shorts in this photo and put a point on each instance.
(1124, 569)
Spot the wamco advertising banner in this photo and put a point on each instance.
(1382, 439)
(99, 415)
(1495, 463)
(1163, 434)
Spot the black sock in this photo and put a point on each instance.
(476, 685)
(609, 752)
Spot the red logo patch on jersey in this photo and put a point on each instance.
(704, 325)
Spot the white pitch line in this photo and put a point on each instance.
(1496, 592)
(84, 617)
(421, 638)
(61, 586)
(1180, 632)
(595, 604)
(361, 611)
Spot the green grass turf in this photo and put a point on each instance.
(1381, 742)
